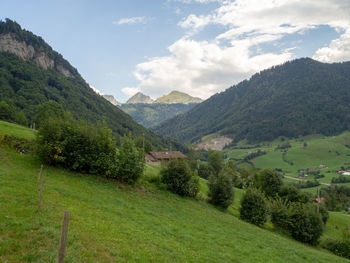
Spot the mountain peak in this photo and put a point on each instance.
(139, 97)
(178, 97)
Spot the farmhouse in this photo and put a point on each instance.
(161, 158)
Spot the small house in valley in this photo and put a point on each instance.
(162, 158)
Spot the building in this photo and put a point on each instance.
(162, 158)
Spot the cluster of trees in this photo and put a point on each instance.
(288, 208)
(78, 146)
(182, 180)
(288, 100)
(8, 112)
(337, 197)
(340, 179)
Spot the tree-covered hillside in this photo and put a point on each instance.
(297, 98)
(27, 85)
(152, 114)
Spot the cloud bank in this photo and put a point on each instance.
(202, 68)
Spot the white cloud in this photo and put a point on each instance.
(133, 20)
(337, 51)
(96, 90)
(130, 91)
(202, 68)
(197, 1)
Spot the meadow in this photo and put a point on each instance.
(112, 222)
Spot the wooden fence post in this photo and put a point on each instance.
(41, 192)
(63, 238)
(41, 172)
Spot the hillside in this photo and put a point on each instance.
(178, 97)
(140, 98)
(115, 223)
(297, 98)
(152, 114)
(31, 73)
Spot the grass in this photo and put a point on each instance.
(117, 223)
(16, 130)
(330, 151)
(111, 223)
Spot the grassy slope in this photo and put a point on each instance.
(110, 223)
(16, 130)
(330, 151)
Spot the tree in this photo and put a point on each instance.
(179, 178)
(204, 171)
(216, 161)
(143, 144)
(130, 161)
(305, 224)
(270, 182)
(292, 194)
(221, 191)
(49, 109)
(253, 207)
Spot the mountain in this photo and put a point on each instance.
(140, 98)
(31, 73)
(297, 98)
(111, 99)
(152, 114)
(178, 97)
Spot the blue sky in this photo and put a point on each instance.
(197, 46)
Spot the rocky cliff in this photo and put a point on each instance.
(9, 43)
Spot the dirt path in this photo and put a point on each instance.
(298, 179)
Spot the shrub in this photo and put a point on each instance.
(338, 247)
(77, 146)
(305, 224)
(204, 171)
(130, 161)
(292, 194)
(253, 207)
(270, 182)
(280, 213)
(179, 178)
(221, 191)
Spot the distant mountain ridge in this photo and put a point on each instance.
(178, 97)
(111, 99)
(139, 97)
(297, 98)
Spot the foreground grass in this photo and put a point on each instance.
(111, 223)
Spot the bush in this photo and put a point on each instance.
(292, 194)
(204, 171)
(305, 224)
(221, 191)
(253, 207)
(77, 146)
(270, 182)
(179, 178)
(130, 161)
(280, 212)
(338, 247)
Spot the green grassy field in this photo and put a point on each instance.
(110, 222)
(329, 151)
(16, 130)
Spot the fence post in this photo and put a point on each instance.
(63, 238)
(41, 192)
(41, 172)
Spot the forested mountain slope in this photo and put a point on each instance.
(31, 73)
(297, 98)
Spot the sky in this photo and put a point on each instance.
(200, 47)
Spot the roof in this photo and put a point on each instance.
(167, 155)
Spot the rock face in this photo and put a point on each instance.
(140, 98)
(112, 100)
(178, 97)
(9, 43)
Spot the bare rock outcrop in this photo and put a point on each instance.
(9, 43)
